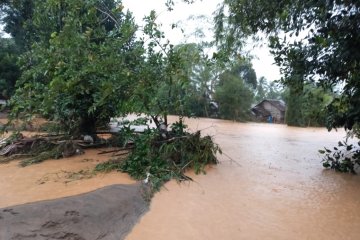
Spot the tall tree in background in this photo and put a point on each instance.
(234, 92)
(17, 16)
(196, 90)
(243, 69)
(203, 74)
(321, 37)
(9, 71)
(267, 90)
(308, 109)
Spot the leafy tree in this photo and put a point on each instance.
(17, 16)
(266, 90)
(294, 109)
(261, 89)
(234, 97)
(89, 68)
(315, 101)
(82, 75)
(243, 68)
(9, 71)
(205, 77)
(275, 91)
(306, 106)
(202, 73)
(316, 39)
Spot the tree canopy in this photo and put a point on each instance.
(234, 91)
(17, 17)
(9, 71)
(82, 73)
(314, 41)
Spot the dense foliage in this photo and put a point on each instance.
(9, 71)
(234, 97)
(344, 158)
(158, 159)
(80, 74)
(306, 105)
(17, 17)
(268, 90)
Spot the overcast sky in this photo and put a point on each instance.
(263, 62)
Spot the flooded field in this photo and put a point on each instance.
(269, 185)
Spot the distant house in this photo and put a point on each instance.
(270, 109)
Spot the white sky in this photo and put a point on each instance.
(262, 62)
(3, 34)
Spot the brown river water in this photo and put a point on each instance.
(270, 184)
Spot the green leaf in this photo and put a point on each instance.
(326, 165)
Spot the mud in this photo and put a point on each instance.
(108, 214)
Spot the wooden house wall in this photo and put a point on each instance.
(275, 112)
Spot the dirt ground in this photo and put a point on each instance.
(108, 213)
(66, 199)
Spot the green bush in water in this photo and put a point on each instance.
(160, 159)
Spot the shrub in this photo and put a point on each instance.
(343, 158)
(158, 159)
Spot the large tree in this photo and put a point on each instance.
(82, 75)
(267, 90)
(9, 71)
(234, 97)
(311, 39)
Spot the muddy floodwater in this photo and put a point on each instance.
(270, 184)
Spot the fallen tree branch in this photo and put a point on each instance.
(121, 154)
(117, 150)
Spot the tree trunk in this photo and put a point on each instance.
(88, 126)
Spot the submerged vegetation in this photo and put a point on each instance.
(345, 157)
(159, 157)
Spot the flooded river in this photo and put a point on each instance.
(270, 184)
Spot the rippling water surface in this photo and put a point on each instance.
(269, 185)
